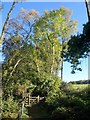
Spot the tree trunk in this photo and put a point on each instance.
(53, 62)
(87, 2)
(5, 24)
(62, 60)
(62, 69)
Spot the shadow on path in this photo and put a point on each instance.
(38, 111)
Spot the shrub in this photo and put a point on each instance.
(10, 108)
(61, 113)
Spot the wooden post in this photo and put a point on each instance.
(22, 107)
(38, 99)
(20, 115)
(29, 98)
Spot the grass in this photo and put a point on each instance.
(79, 87)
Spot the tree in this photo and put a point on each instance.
(79, 45)
(43, 46)
(17, 35)
(52, 31)
(32, 50)
(14, 63)
(17, 39)
(7, 19)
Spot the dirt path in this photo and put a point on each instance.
(37, 111)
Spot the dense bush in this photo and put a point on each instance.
(10, 108)
(46, 84)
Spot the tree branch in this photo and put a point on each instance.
(15, 66)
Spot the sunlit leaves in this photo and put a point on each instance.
(28, 15)
(52, 31)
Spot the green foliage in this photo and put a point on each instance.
(25, 116)
(33, 53)
(25, 113)
(51, 32)
(10, 108)
(53, 95)
(78, 47)
(47, 84)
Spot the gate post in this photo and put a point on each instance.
(38, 99)
(29, 95)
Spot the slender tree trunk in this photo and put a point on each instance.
(37, 65)
(62, 60)
(53, 53)
(62, 70)
(87, 2)
(53, 62)
(5, 24)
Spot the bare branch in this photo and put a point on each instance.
(29, 32)
(15, 67)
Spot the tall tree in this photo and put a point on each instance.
(17, 39)
(52, 30)
(7, 19)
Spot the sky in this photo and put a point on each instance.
(79, 13)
